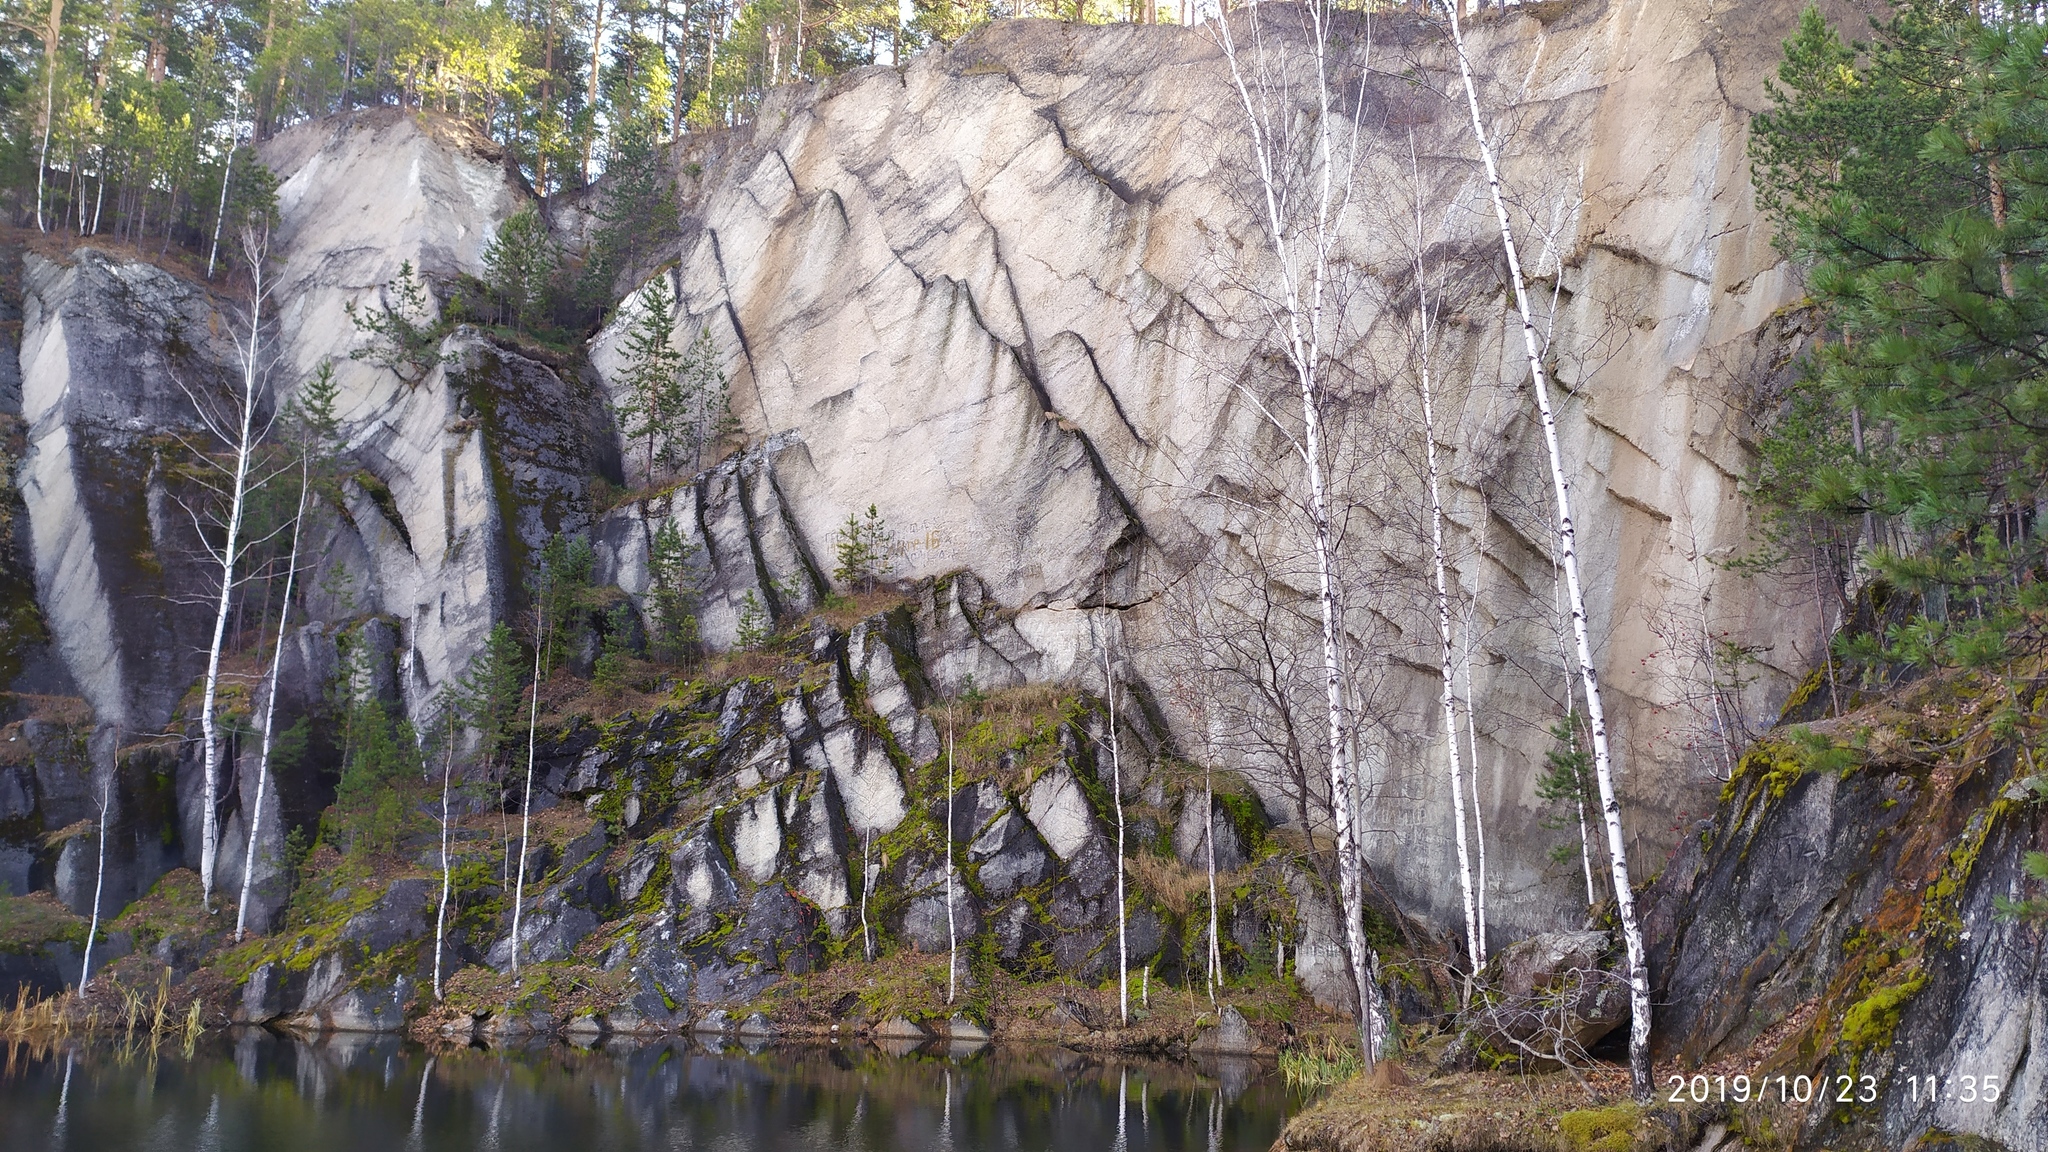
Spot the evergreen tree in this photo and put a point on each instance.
(654, 409)
(1915, 189)
(863, 550)
(672, 599)
(703, 399)
(520, 264)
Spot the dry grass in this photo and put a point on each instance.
(1177, 887)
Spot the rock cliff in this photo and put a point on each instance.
(1010, 297)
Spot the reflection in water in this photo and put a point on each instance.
(355, 1093)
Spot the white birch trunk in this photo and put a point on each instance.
(1478, 821)
(99, 882)
(1301, 319)
(952, 929)
(227, 170)
(1447, 667)
(1617, 847)
(867, 880)
(447, 875)
(51, 45)
(270, 714)
(526, 804)
(1116, 792)
(230, 554)
(1209, 815)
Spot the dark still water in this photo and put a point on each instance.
(377, 1095)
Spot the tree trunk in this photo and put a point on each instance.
(52, 33)
(1589, 676)
(447, 875)
(243, 445)
(952, 930)
(526, 805)
(270, 708)
(99, 883)
(1302, 316)
(1447, 668)
(227, 170)
(1116, 793)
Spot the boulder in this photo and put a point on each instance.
(1191, 835)
(898, 1028)
(1231, 1035)
(1547, 998)
(262, 998)
(1059, 810)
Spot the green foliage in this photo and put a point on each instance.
(863, 549)
(487, 695)
(1567, 785)
(1311, 1068)
(754, 625)
(561, 588)
(636, 215)
(673, 596)
(520, 268)
(1914, 188)
(2035, 864)
(371, 813)
(652, 408)
(706, 408)
(404, 332)
(314, 416)
(615, 660)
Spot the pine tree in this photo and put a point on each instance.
(863, 551)
(653, 408)
(520, 265)
(673, 593)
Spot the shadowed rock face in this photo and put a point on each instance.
(1867, 898)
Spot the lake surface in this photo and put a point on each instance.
(359, 1094)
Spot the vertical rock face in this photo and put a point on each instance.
(1011, 297)
(113, 355)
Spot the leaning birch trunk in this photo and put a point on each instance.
(540, 643)
(1116, 793)
(1447, 667)
(244, 444)
(99, 882)
(270, 711)
(1589, 676)
(1301, 318)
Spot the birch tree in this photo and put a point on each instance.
(1116, 793)
(99, 882)
(1447, 666)
(526, 803)
(1568, 560)
(1304, 314)
(952, 928)
(316, 425)
(238, 423)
